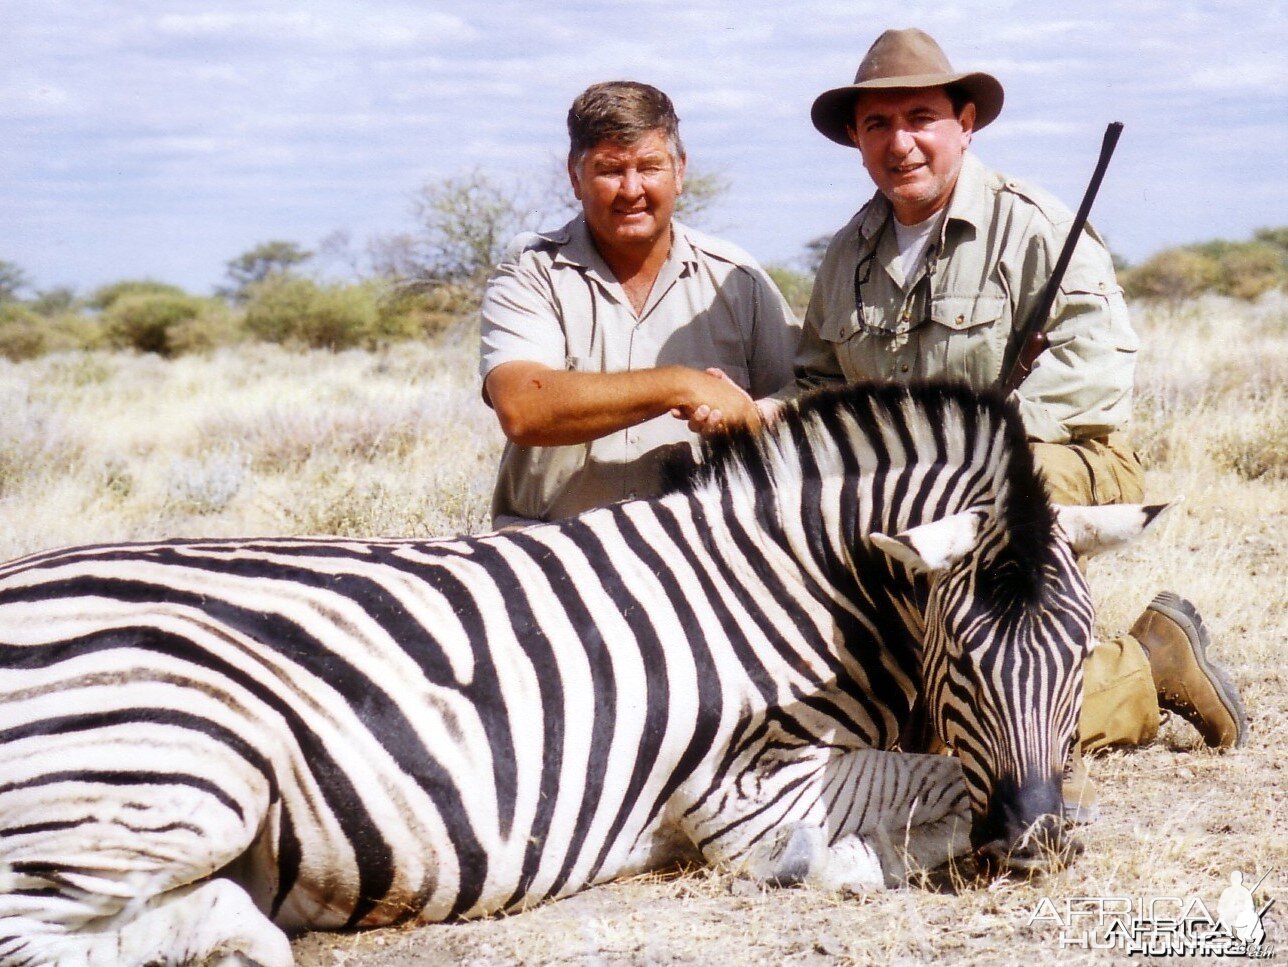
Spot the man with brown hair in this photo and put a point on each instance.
(931, 279)
(601, 338)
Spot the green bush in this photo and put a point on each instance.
(1251, 269)
(298, 311)
(1174, 275)
(107, 296)
(23, 333)
(417, 311)
(54, 302)
(795, 286)
(216, 325)
(1243, 270)
(143, 321)
(74, 330)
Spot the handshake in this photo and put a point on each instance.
(725, 405)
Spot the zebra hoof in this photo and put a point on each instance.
(789, 857)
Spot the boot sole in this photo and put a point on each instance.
(1173, 606)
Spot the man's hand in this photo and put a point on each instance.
(726, 405)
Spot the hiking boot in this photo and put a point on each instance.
(1078, 791)
(1198, 690)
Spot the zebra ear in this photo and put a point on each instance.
(1092, 530)
(935, 546)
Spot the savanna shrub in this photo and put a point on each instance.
(1257, 451)
(216, 325)
(795, 286)
(419, 310)
(23, 333)
(109, 295)
(1174, 275)
(145, 321)
(1251, 269)
(297, 311)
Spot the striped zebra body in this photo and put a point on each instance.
(355, 733)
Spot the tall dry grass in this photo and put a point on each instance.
(253, 440)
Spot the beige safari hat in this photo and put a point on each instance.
(901, 59)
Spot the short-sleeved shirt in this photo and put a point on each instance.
(554, 301)
(953, 318)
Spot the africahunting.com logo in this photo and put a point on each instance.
(1163, 926)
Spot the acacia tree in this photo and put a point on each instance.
(254, 266)
(12, 281)
(465, 223)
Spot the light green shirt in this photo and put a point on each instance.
(554, 301)
(953, 318)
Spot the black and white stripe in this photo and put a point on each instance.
(364, 732)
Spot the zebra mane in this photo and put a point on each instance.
(765, 460)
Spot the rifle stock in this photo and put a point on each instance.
(1031, 340)
(1034, 345)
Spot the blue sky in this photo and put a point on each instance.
(160, 139)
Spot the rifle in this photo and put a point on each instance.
(1031, 341)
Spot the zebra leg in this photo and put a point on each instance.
(856, 820)
(215, 921)
(101, 873)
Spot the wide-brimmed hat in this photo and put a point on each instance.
(903, 59)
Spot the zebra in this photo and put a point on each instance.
(207, 743)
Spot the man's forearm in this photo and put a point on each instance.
(538, 406)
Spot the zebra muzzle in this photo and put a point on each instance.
(1044, 847)
(1025, 830)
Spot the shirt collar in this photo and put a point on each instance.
(578, 249)
(970, 201)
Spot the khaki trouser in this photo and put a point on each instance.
(1120, 702)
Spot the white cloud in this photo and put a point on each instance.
(1033, 128)
(1247, 74)
(333, 27)
(31, 96)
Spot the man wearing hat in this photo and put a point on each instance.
(930, 279)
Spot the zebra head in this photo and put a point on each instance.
(1008, 624)
(917, 515)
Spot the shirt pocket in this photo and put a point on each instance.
(974, 329)
(838, 327)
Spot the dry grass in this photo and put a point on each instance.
(247, 440)
(255, 440)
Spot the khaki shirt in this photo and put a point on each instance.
(981, 276)
(554, 301)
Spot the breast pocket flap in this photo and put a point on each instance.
(962, 312)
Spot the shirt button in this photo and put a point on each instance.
(960, 320)
(903, 368)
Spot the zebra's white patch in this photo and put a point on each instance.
(937, 546)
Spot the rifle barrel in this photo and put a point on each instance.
(1013, 374)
